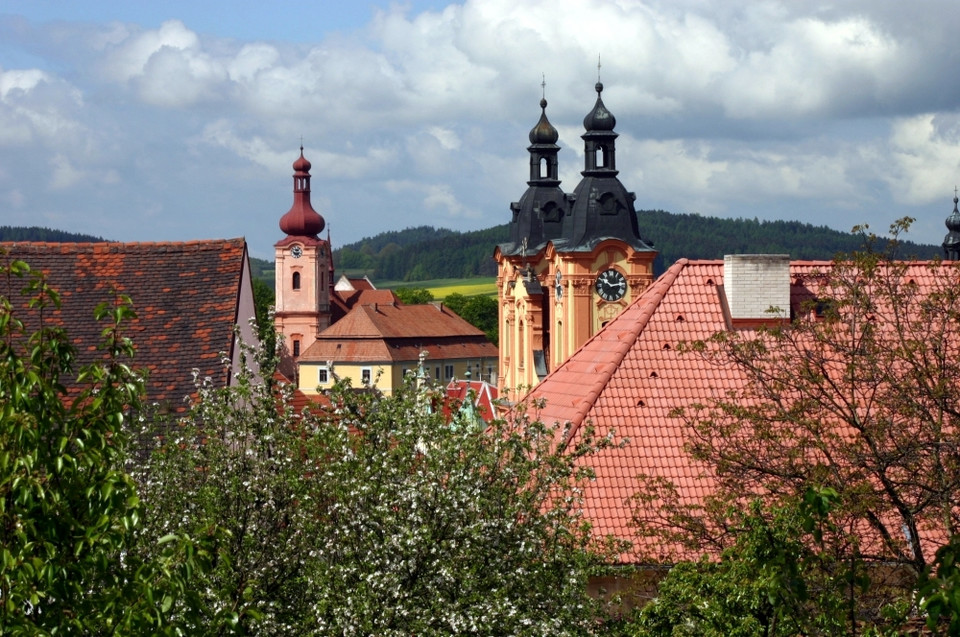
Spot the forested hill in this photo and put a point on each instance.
(33, 233)
(423, 253)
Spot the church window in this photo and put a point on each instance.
(296, 347)
(608, 203)
(296, 280)
(602, 157)
(551, 211)
(543, 167)
(520, 351)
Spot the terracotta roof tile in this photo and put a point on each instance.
(185, 295)
(629, 377)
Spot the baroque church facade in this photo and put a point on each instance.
(574, 260)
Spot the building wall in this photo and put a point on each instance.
(566, 313)
(385, 376)
(302, 313)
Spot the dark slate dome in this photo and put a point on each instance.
(599, 119)
(544, 132)
(951, 243)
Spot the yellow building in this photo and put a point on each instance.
(573, 262)
(376, 345)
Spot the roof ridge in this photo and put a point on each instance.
(107, 245)
(647, 303)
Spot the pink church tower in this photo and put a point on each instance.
(303, 270)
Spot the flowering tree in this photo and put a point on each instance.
(68, 509)
(367, 514)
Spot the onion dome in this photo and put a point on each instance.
(302, 164)
(951, 243)
(544, 132)
(301, 220)
(599, 119)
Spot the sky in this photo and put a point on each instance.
(149, 121)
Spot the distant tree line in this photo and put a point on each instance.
(33, 233)
(434, 254)
(693, 236)
(424, 253)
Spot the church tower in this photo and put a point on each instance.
(574, 261)
(951, 243)
(303, 270)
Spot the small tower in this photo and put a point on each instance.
(951, 243)
(303, 270)
(524, 303)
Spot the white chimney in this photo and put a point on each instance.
(754, 283)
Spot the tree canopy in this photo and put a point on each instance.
(392, 519)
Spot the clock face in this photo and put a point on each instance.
(297, 252)
(611, 285)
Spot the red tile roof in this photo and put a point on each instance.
(483, 393)
(346, 300)
(379, 332)
(186, 296)
(629, 377)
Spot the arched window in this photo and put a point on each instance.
(296, 280)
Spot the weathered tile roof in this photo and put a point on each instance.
(186, 295)
(345, 300)
(629, 377)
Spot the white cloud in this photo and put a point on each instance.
(925, 157)
(37, 105)
(365, 163)
(422, 117)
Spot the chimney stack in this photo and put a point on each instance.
(754, 283)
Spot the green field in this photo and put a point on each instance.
(441, 288)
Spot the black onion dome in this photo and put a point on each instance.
(953, 221)
(544, 132)
(951, 243)
(599, 119)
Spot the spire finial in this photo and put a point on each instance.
(599, 86)
(301, 144)
(543, 86)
